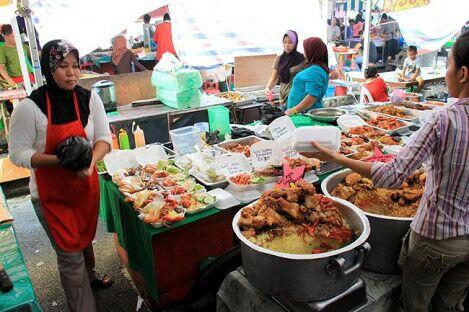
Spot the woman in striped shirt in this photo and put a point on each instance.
(435, 255)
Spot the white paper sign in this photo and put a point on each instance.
(232, 164)
(287, 148)
(265, 153)
(281, 128)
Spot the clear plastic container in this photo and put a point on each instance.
(185, 139)
(219, 119)
(327, 136)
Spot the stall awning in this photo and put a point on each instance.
(208, 33)
(431, 26)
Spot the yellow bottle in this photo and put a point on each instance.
(139, 136)
(115, 142)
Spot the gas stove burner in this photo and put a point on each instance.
(351, 300)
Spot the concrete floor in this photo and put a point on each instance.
(42, 265)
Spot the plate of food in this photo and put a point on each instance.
(393, 111)
(390, 125)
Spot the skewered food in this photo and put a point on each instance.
(402, 202)
(295, 220)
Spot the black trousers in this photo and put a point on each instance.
(391, 48)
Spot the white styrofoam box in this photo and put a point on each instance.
(347, 121)
(327, 136)
(225, 200)
(150, 154)
(120, 160)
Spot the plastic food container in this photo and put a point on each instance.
(327, 136)
(219, 119)
(346, 122)
(185, 139)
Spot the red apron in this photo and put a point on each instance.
(70, 203)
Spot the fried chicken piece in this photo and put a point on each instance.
(306, 187)
(312, 202)
(255, 222)
(411, 194)
(352, 179)
(272, 217)
(293, 195)
(293, 209)
(275, 193)
(344, 192)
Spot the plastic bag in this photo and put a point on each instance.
(181, 80)
(270, 113)
(75, 153)
(168, 63)
(179, 100)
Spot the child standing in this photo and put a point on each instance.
(411, 70)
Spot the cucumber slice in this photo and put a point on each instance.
(209, 199)
(198, 188)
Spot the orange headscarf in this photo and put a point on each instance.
(119, 47)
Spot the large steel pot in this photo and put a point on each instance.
(386, 233)
(299, 277)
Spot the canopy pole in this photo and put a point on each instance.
(23, 10)
(366, 39)
(21, 55)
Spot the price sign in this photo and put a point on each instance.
(265, 153)
(281, 128)
(380, 157)
(399, 5)
(233, 164)
(287, 149)
(291, 175)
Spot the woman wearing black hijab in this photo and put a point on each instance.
(66, 201)
(286, 66)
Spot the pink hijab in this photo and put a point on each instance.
(119, 47)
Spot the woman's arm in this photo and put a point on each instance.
(305, 104)
(137, 63)
(393, 173)
(23, 137)
(272, 81)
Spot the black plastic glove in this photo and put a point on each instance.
(75, 153)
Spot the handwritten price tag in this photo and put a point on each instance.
(291, 175)
(287, 149)
(281, 128)
(265, 153)
(231, 165)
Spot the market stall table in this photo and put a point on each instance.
(428, 74)
(10, 95)
(21, 297)
(164, 262)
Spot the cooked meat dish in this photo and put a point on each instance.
(295, 220)
(386, 123)
(391, 110)
(401, 202)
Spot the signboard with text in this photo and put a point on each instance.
(399, 5)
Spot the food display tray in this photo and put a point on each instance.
(211, 185)
(250, 140)
(257, 93)
(412, 115)
(400, 130)
(244, 101)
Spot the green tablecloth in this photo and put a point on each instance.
(11, 257)
(134, 235)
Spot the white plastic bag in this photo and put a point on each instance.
(168, 63)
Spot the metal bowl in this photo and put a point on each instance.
(386, 233)
(294, 277)
(326, 114)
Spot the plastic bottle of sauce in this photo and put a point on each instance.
(123, 139)
(139, 136)
(115, 142)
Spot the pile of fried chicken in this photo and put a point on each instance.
(299, 206)
(401, 202)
